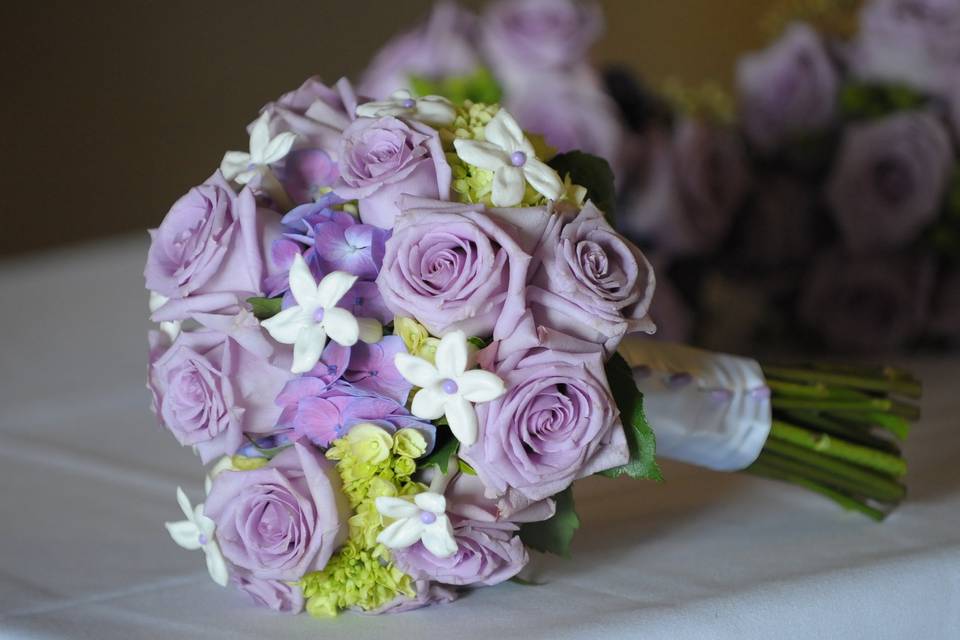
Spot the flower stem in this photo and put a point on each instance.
(838, 448)
(888, 381)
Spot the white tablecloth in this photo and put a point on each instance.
(87, 478)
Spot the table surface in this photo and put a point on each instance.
(88, 478)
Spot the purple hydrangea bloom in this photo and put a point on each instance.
(371, 368)
(323, 413)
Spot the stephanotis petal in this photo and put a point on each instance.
(333, 287)
(216, 565)
(480, 386)
(438, 538)
(452, 354)
(429, 403)
(401, 534)
(285, 326)
(302, 285)
(308, 348)
(396, 507)
(234, 163)
(503, 131)
(509, 184)
(278, 148)
(184, 502)
(462, 419)
(432, 502)
(481, 154)
(371, 331)
(341, 326)
(416, 371)
(260, 138)
(185, 534)
(435, 110)
(545, 180)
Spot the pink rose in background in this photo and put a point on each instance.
(276, 595)
(592, 283)
(441, 47)
(787, 90)
(282, 520)
(692, 184)
(556, 423)
(209, 389)
(211, 252)
(382, 159)
(868, 304)
(571, 112)
(460, 267)
(521, 37)
(889, 178)
(913, 42)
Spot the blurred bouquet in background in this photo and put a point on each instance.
(530, 55)
(820, 205)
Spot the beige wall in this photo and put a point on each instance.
(113, 109)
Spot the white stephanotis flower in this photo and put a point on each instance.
(196, 532)
(316, 316)
(242, 167)
(433, 110)
(511, 157)
(170, 328)
(423, 519)
(447, 388)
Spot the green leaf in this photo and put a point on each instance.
(640, 439)
(864, 100)
(593, 173)
(264, 308)
(440, 456)
(554, 535)
(479, 86)
(479, 343)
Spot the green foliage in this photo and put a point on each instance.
(480, 86)
(642, 464)
(591, 172)
(265, 308)
(866, 100)
(554, 535)
(440, 456)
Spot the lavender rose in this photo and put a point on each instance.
(460, 267)
(787, 90)
(318, 114)
(556, 423)
(889, 179)
(384, 158)
(282, 520)
(426, 594)
(211, 252)
(209, 389)
(440, 48)
(916, 42)
(867, 304)
(486, 555)
(276, 595)
(524, 36)
(592, 284)
(695, 179)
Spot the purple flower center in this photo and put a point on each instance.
(449, 386)
(202, 539)
(518, 158)
(427, 518)
(318, 315)
(409, 103)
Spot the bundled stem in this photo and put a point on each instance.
(834, 431)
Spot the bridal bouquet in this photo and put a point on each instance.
(826, 200)
(390, 329)
(394, 330)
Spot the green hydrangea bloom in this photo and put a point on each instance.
(371, 463)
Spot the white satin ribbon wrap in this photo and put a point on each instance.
(708, 409)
